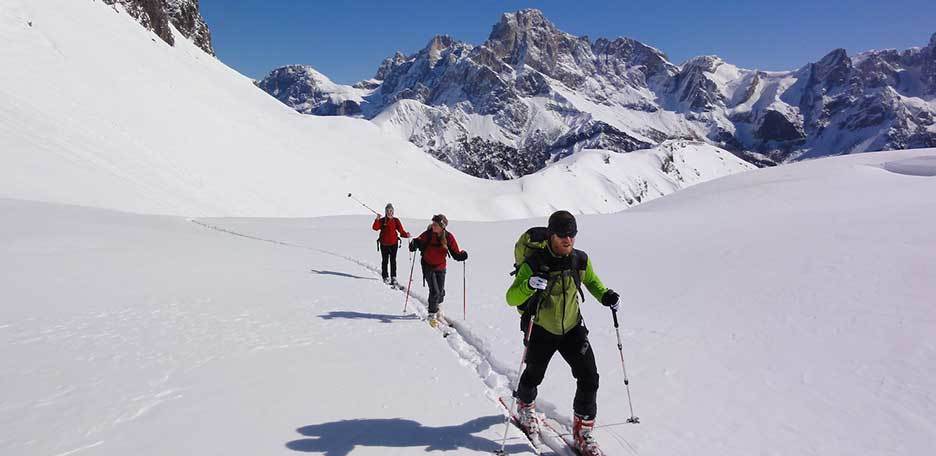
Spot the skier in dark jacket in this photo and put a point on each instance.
(391, 229)
(549, 283)
(436, 243)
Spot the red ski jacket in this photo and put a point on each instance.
(433, 253)
(389, 229)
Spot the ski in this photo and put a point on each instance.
(564, 435)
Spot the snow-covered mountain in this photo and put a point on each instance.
(532, 94)
(135, 124)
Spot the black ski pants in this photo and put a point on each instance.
(435, 279)
(388, 254)
(577, 352)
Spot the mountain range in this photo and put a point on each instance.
(532, 94)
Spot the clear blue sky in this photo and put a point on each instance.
(348, 40)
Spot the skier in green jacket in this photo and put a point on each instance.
(547, 288)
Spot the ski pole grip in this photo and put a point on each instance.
(614, 314)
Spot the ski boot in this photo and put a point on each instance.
(433, 321)
(585, 442)
(527, 417)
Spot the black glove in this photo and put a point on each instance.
(460, 256)
(414, 245)
(610, 299)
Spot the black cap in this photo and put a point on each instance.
(562, 223)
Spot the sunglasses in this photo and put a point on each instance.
(566, 235)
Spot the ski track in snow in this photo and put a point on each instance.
(471, 349)
(77, 450)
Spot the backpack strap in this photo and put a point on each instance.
(579, 266)
(539, 263)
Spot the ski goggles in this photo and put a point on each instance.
(566, 232)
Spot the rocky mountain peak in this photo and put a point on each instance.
(388, 64)
(527, 38)
(521, 21)
(704, 63)
(311, 92)
(515, 31)
(834, 68)
(186, 17)
(440, 42)
(156, 15)
(437, 46)
(630, 50)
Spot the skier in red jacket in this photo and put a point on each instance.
(436, 243)
(390, 227)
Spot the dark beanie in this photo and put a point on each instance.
(563, 223)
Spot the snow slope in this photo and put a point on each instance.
(783, 311)
(128, 334)
(136, 125)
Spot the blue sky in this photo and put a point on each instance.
(348, 40)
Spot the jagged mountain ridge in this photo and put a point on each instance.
(532, 94)
(156, 15)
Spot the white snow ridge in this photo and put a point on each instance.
(155, 299)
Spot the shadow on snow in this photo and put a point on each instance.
(339, 438)
(367, 316)
(342, 274)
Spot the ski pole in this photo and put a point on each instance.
(465, 290)
(526, 347)
(362, 204)
(513, 400)
(410, 284)
(633, 419)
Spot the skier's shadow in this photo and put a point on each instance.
(341, 274)
(383, 318)
(339, 438)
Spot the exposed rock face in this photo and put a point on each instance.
(187, 18)
(532, 94)
(156, 15)
(774, 126)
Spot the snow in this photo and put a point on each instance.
(778, 311)
(729, 78)
(337, 92)
(136, 334)
(917, 166)
(635, 123)
(784, 311)
(171, 130)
